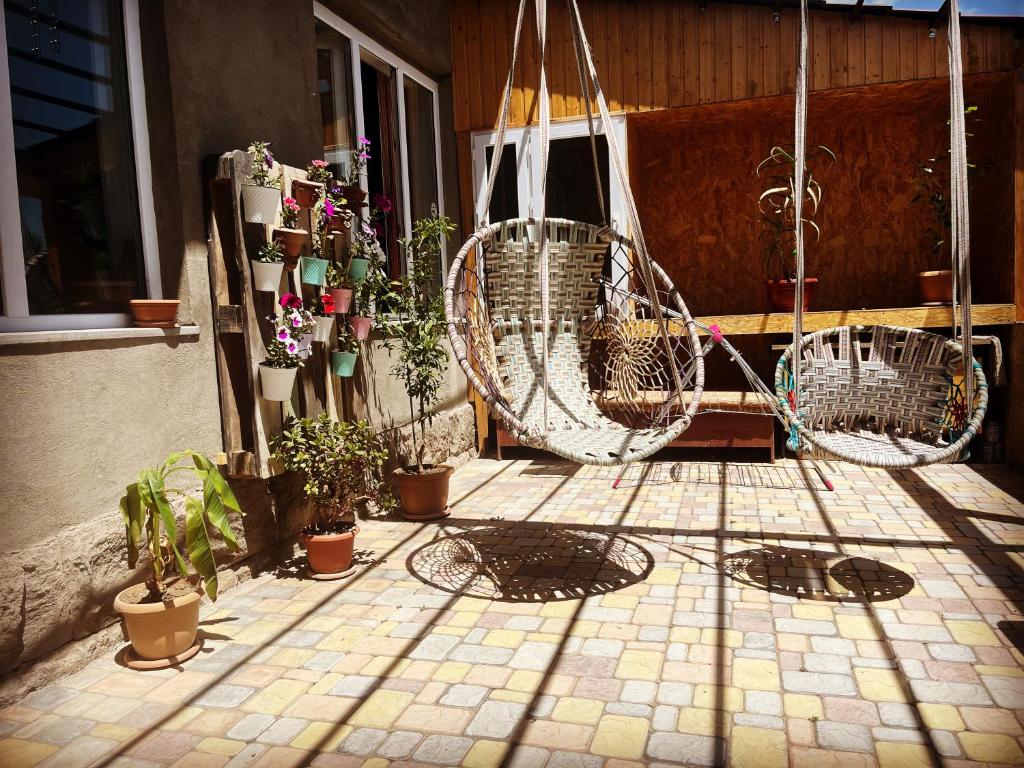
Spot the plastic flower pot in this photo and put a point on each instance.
(306, 344)
(342, 300)
(329, 553)
(260, 204)
(357, 269)
(306, 193)
(277, 383)
(154, 313)
(343, 364)
(267, 275)
(291, 239)
(160, 631)
(314, 270)
(323, 328)
(360, 327)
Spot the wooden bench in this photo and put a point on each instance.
(723, 420)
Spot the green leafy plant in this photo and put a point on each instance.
(375, 286)
(337, 278)
(777, 206)
(262, 166)
(317, 171)
(342, 462)
(270, 252)
(149, 519)
(346, 341)
(419, 326)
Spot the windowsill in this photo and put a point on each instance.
(98, 334)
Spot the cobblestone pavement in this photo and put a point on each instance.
(714, 614)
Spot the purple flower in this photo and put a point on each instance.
(293, 347)
(364, 155)
(282, 334)
(363, 141)
(296, 322)
(268, 158)
(328, 208)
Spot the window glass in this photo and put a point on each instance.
(422, 156)
(77, 190)
(334, 79)
(571, 192)
(505, 200)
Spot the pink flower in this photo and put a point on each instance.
(329, 208)
(291, 301)
(296, 322)
(363, 141)
(293, 347)
(291, 202)
(381, 201)
(282, 334)
(319, 163)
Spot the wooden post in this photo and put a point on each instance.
(1014, 426)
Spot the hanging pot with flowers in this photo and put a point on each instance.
(299, 322)
(343, 359)
(268, 266)
(261, 194)
(323, 313)
(339, 289)
(307, 191)
(290, 234)
(278, 370)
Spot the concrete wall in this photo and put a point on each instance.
(82, 417)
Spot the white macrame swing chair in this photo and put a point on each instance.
(910, 401)
(549, 317)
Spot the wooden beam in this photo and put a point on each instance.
(1018, 189)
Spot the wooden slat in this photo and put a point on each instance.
(556, 60)
(723, 52)
(789, 37)
(630, 52)
(738, 47)
(908, 35)
(873, 43)
(754, 84)
(818, 56)
(660, 59)
(1018, 207)
(460, 66)
(838, 32)
(691, 53)
(613, 56)
(707, 70)
(890, 50)
(770, 44)
(855, 53)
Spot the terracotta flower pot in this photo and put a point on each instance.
(936, 286)
(160, 630)
(267, 275)
(782, 294)
(329, 553)
(339, 224)
(291, 239)
(360, 327)
(260, 203)
(277, 383)
(342, 300)
(343, 364)
(423, 496)
(306, 193)
(154, 313)
(323, 328)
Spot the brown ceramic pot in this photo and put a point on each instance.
(160, 630)
(291, 239)
(330, 553)
(782, 294)
(154, 313)
(423, 496)
(936, 286)
(305, 192)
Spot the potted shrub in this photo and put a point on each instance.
(261, 195)
(342, 463)
(161, 616)
(339, 288)
(284, 357)
(154, 313)
(343, 359)
(932, 185)
(298, 321)
(778, 234)
(323, 314)
(307, 191)
(268, 266)
(419, 331)
(289, 233)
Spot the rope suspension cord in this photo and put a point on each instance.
(960, 228)
(799, 162)
(631, 212)
(545, 148)
(585, 84)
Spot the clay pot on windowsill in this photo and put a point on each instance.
(782, 294)
(164, 631)
(936, 286)
(306, 193)
(424, 495)
(154, 313)
(331, 552)
(291, 239)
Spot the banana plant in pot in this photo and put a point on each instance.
(342, 464)
(418, 331)
(777, 206)
(162, 615)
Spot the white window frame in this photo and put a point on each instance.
(16, 317)
(528, 173)
(359, 42)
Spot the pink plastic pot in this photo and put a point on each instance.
(361, 327)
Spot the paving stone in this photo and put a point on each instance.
(83, 751)
(763, 702)
(639, 691)
(434, 647)
(950, 693)
(848, 737)
(464, 695)
(1006, 691)
(250, 727)
(951, 652)
(443, 750)
(224, 696)
(496, 719)
(675, 694)
(896, 714)
(823, 662)
(665, 718)
(481, 654)
(696, 750)
(758, 721)
(574, 760)
(283, 730)
(819, 683)
(399, 744)
(363, 741)
(621, 737)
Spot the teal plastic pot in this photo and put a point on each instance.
(357, 269)
(343, 363)
(314, 270)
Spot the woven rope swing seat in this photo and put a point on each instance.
(881, 396)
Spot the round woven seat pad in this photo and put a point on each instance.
(613, 444)
(878, 448)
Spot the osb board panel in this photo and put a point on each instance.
(653, 54)
(692, 171)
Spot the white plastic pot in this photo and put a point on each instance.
(267, 275)
(323, 328)
(277, 383)
(260, 204)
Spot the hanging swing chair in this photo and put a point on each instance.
(909, 401)
(549, 317)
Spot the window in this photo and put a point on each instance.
(365, 90)
(76, 229)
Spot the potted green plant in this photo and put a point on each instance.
(291, 235)
(339, 288)
(161, 616)
(778, 234)
(268, 266)
(932, 185)
(323, 314)
(284, 350)
(341, 464)
(418, 331)
(307, 191)
(343, 359)
(261, 194)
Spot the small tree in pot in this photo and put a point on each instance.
(342, 463)
(418, 332)
(162, 615)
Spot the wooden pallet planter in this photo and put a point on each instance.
(241, 326)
